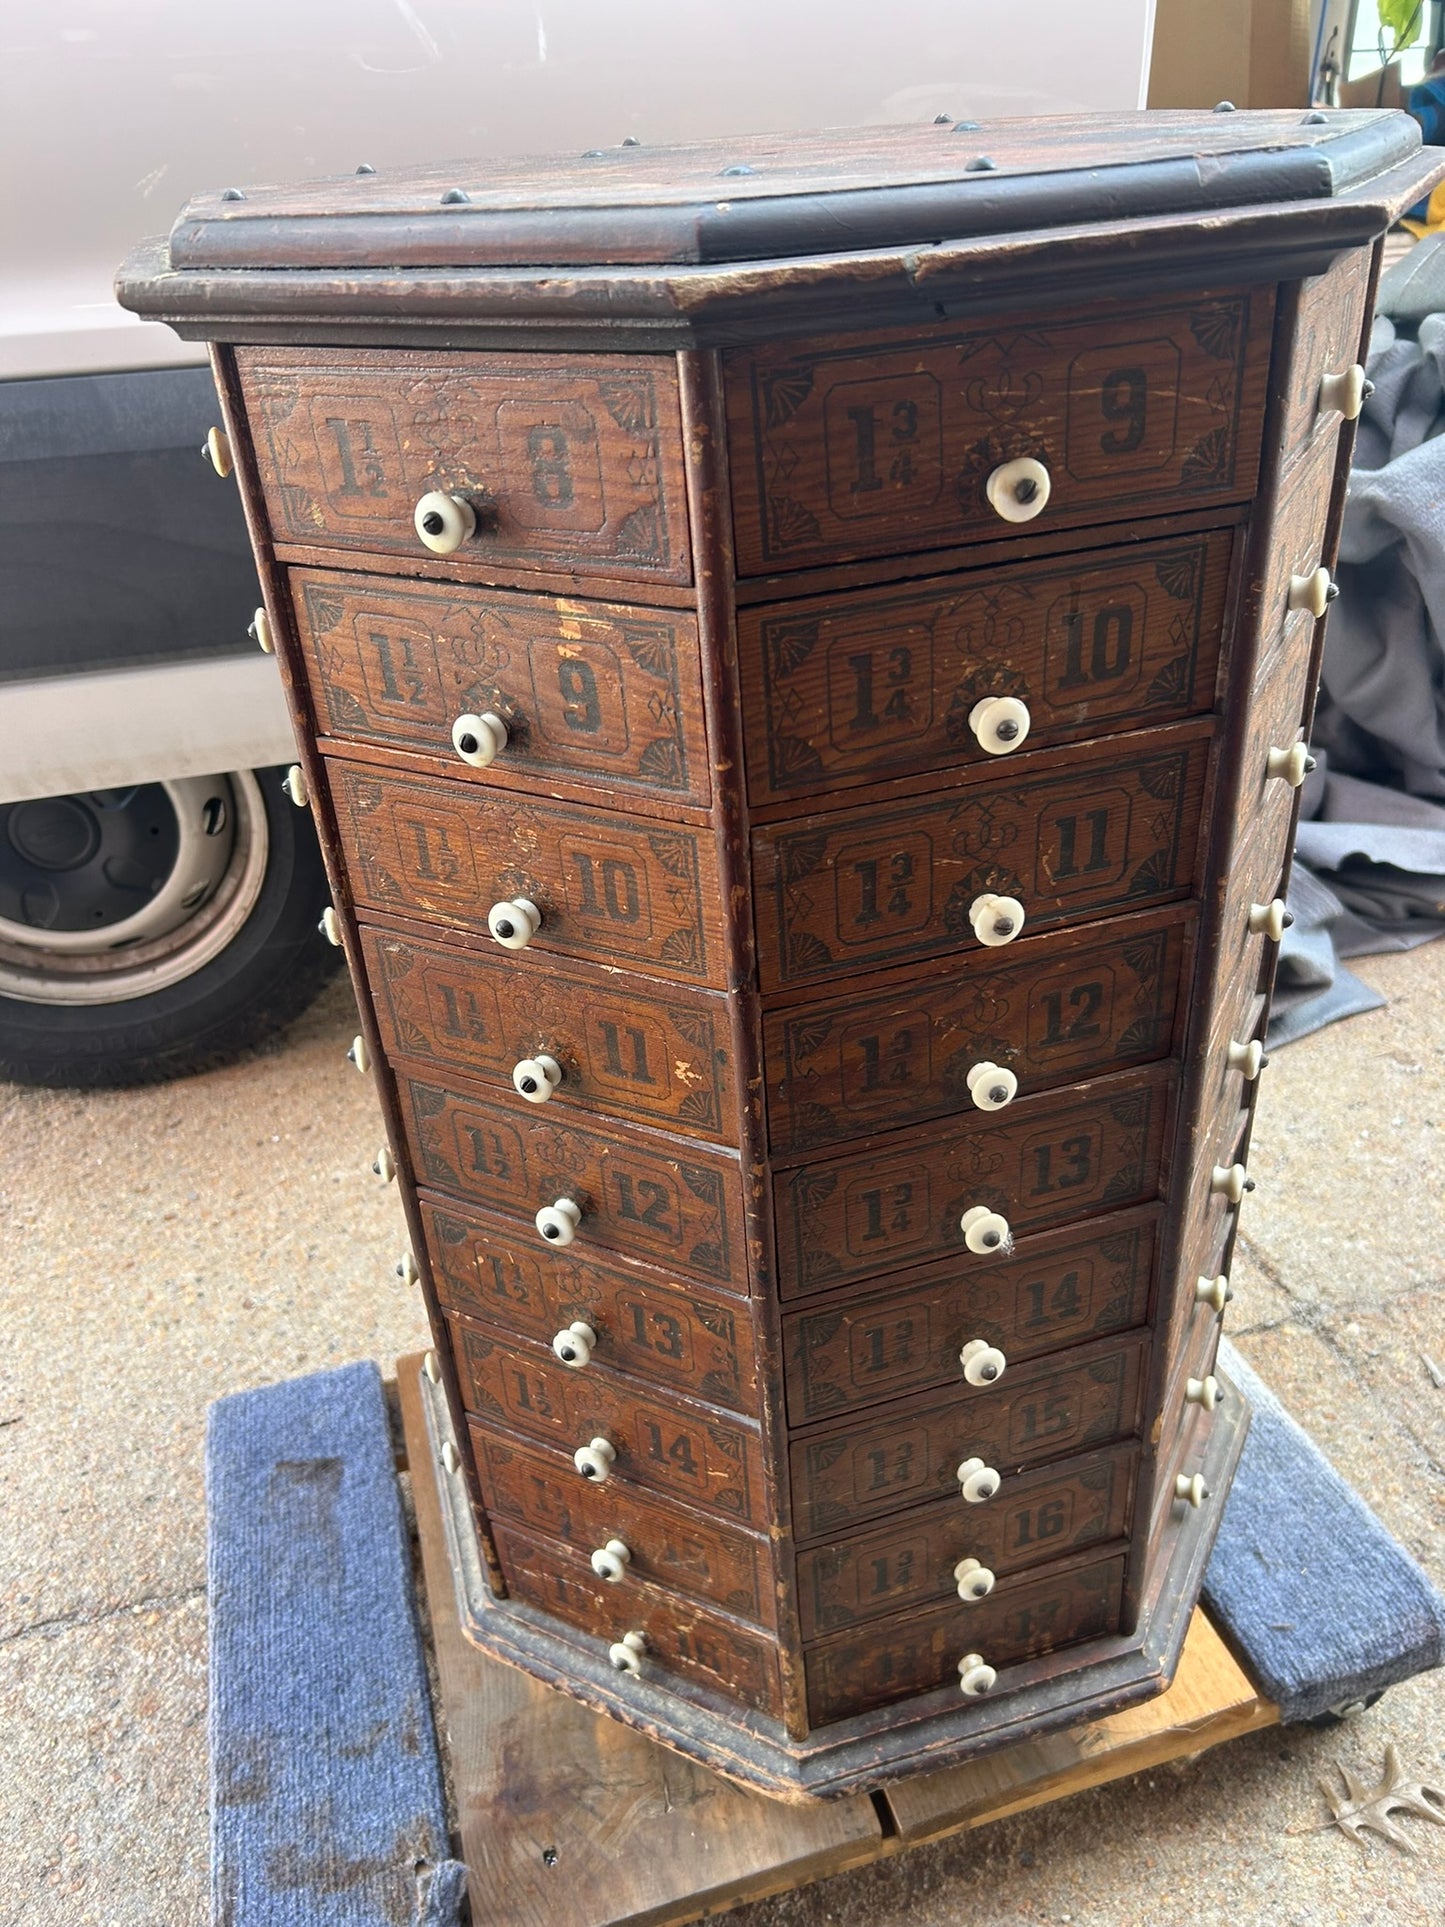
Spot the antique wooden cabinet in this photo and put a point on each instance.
(801, 651)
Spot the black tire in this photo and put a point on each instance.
(272, 966)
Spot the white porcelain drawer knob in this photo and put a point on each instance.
(1001, 723)
(295, 786)
(974, 1580)
(384, 1164)
(513, 924)
(977, 1482)
(432, 1369)
(558, 1221)
(985, 1231)
(536, 1078)
(330, 925)
(975, 1676)
(1344, 393)
(594, 1460)
(1229, 1181)
(1290, 766)
(359, 1054)
(1213, 1291)
(610, 1562)
(479, 740)
(1204, 1392)
(451, 1458)
(260, 633)
(996, 919)
(991, 1087)
(575, 1345)
(444, 522)
(983, 1364)
(217, 450)
(626, 1653)
(1018, 490)
(406, 1270)
(1311, 592)
(1269, 919)
(1192, 1490)
(1248, 1059)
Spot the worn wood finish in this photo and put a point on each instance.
(646, 1053)
(854, 687)
(857, 445)
(1059, 1288)
(1060, 1008)
(1042, 1515)
(893, 880)
(604, 695)
(885, 1460)
(574, 464)
(608, 890)
(754, 842)
(1045, 1161)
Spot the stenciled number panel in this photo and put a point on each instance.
(608, 888)
(865, 445)
(590, 691)
(668, 1333)
(896, 881)
(576, 461)
(883, 683)
(634, 1051)
(1054, 1290)
(1038, 1516)
(1062, 1008)
(1044, 1161)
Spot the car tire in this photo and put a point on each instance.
(207, 949)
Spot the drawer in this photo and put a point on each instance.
(1255, 880)
(680, 1451)
(882, 682)
(702, 1556)
(676, 1335)
(877, 1463)
(1057, 1290)
(1296, 548)
(1019, 1619)
(625, 1049)
(680, 1636)
(1041, 1515)
(590, 692)
(876, 444)
(608, 889)
(1112, 826)
(1184, 1426)
(576, 459)
(654, 1199)
(1275, 721)
(1064, 1007)
(1331, 325)
(1046, 1160)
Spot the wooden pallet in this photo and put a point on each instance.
(568, 1819)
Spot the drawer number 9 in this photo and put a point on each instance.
(1123, 398)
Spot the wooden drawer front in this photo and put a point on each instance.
(1183, 1426)
(851, 446)
(673, 1449)
(1044, 1161)
(881, 683)
(883, 1463)
(1019, 1620)
(676, 1335)
(669, 1546)
(1296, 548)
(1061, 1289)
(608, 889)
(1329, 334)
(1116, 829)
(638, 1197)
(1276, 718)
(589, 691)
(1067, 1007)
(681, 1636)
(1256, 876)
(660, 1058)
(578, 456)
(1040, 1515)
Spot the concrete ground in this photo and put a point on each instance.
(167, 1246)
